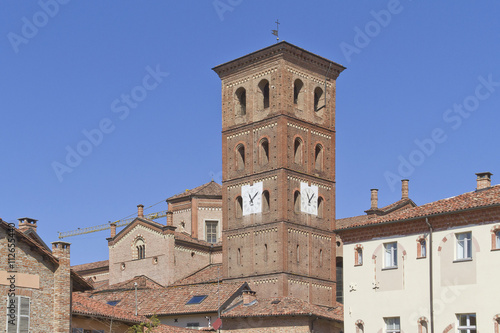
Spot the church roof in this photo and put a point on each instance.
(211, 189)
(91, 266)
(143, 282)
(207, 274)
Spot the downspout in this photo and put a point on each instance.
(430, 276)
(135, 285)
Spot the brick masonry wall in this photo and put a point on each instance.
(42, 299)
(285, 324)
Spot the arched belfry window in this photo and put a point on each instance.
(140, 248)
(264, 151)
(318, 157)
(296, 202)
(297, 150)
(241, 101)
(318, 99)
(298, 94)
(238, 207)
(240, 157)
(321, 204)
(264, 90)
(265, 202)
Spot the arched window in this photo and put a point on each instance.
(422, 325)
(421, 247)
(298, 253)
(318, 157)
(496, 321)
(264, 151)
(241, 101)
(297, 150)
(264, 90)
(296, 202)
(140, 249)
(240, 157)
(238, 258)
(318, 93)
(360, 327)
(358, 255)
(321, 204)
(265, 253)
(265, 202)
(238, 207)
(298, 94)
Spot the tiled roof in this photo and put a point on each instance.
(284, 306)
(83, 305)
(469, 200)
(99, 285)
(79, 283)
(209, 189)
(172, 300)
(350, 221)
(172, 329)
(397, 205)
(91, 265)
(143, 282)
(207, 274)
(187, 237)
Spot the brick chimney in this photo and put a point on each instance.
(62, 288)
(404, 188)
(249, 296)
(26, 224)
(140, 211)
(374, 198)
(483, 180)
(170, 218)
(113, 229)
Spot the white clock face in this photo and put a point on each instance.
(309, 199)
(252, 198)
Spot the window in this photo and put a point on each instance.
(211, 231)
(193, 325)
(298, 95)
(113, 303)
(297, 151)
(238, 258)
(240, 157)
(318, 93)
(296, 202)
(297, 252)
(318, 157)
(497, 237)
(360, 328)
(321, 204)
(265, 253)
(467, 323)
(265, 202)
(392, 325)
(18, 315)
(464, 246)
(391, 255)
(264, 90)
(264, 152)
(140, 249)
(241, 102)
(421, 247)
(196, 299)
(238, 207)
(358, 256)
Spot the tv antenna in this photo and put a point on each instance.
(276, 32)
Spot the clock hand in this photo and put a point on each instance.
(251, 200)
(312, 196)
(255, 195)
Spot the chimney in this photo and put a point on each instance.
(249, 296)
(374, 198)
(140, 211)
(113, 229)
(26, 224)
(62, 288)
(170, 218)
(483, 180)
(404, 188)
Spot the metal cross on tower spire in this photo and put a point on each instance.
(276, 32)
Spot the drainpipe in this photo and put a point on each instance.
(135, 285)
(430, 276)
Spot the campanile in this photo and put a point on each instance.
(278, 160)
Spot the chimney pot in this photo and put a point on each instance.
(404, 188)
(249, 296)
(27, 223)
(140, 211)
(483, 180)
(374, 198)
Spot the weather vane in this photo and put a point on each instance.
(276, 32)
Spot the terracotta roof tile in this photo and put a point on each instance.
(469, 200)
(83, 305)
(91, 265)
(284, 306)
(209, 189)
(207, 274)
(143, 282)
(172, 329)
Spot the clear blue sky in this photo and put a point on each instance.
(66, 68)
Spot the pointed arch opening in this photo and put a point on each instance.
(296, 202)
(318, 157)
(298, 94)
(318, 97)
(264, 151)
(264, 90)
(265, 202)
(140, 248)
(238, 207)
(241, 101)
(240, 157)
(298, 148)
(321, 204)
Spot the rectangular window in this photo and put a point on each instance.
(193, 325)
(391, 255)
(211, 231)
(18, 314)
(467, 323)
(423, 249)
(392, 325)
(464, 245)
(498, 239)
(359, 257)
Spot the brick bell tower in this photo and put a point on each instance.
(278, 160)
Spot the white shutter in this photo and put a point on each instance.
(24, 314)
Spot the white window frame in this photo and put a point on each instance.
(216, 231)
(391, 255)
(464, 245)
(19, 316)
(468, 328)
(392, 325)
(359, 254)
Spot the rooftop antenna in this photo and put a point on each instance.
(276, 32)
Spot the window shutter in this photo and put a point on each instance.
(12, 328)
(24, 315)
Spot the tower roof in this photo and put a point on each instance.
(211, 189)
